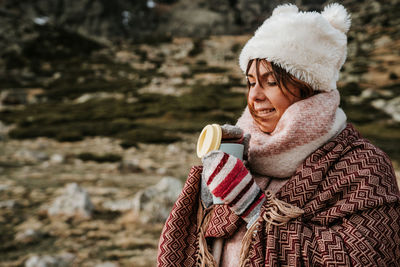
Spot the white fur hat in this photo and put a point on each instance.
(311, 46)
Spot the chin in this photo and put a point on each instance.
(266, 129)
(266, 125)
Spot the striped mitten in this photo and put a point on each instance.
(227, 178)
(233, 134)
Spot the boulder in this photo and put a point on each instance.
(130, 166)
(7, 204)
(74, 202)
(154, 203)
(33, 156)
(390, 107)
(4, 187)
(28, 236)
(57, 158)
(61, 260)
(119, 205)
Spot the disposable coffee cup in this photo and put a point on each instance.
(210, 139)
(233, 149)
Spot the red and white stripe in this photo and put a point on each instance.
(227, 178)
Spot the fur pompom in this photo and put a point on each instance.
(337, 16)
(286, 8)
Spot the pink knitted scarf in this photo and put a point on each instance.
(305, 126)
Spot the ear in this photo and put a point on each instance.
(285, 9)
(337, 16)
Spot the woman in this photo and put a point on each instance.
(312, 192)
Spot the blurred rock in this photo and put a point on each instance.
(99, 95)
(31, 223)
(28, 236)
(390, 107)
(130, 241)
(61, 260)
(75, 202)
(365, 95)
(22, 96)
(148, 164)
(170, 86)
(124, 56)
(162, 171)
(196, 20)
(174, 70)
(57, 158)
(107, 264)
(124, 18)
(33, 156)
(13, 97)
(130, 166)
(143, 65)
(154, 204)
(119, 205)
(4, 130)
(3, 187)
(7, 204)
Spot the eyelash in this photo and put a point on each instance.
(268, 83)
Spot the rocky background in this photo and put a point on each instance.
(101, 104)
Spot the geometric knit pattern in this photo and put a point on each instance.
(351, 202)
(223, 222)
(178, 243)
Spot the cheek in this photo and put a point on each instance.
(249, 102)
(282, 102)
(279, 101)
(283, 105)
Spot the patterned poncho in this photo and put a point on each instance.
(351, 202)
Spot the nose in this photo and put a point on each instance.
(257, 93)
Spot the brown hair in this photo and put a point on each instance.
(283, 78)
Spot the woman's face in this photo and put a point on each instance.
(268, 101)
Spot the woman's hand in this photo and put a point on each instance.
(227, 178)
(233, 134)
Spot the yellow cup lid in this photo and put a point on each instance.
(209, 139)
